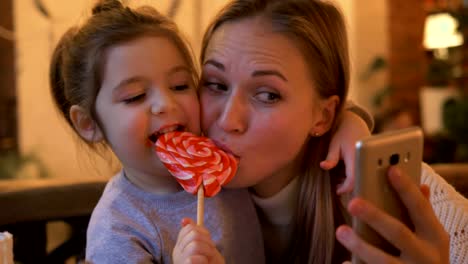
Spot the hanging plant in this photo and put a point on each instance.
(15, 166)
(173, 8)
(455, 113)
(41, 8)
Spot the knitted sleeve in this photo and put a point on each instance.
(361, 112)
(452, 210)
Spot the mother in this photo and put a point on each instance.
(275, 76)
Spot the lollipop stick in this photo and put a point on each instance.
(201, 201)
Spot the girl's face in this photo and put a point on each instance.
(146, 89)
(259, 102)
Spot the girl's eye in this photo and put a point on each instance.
(268, 97)
(181, 87)
(215, 87)
(134, 99)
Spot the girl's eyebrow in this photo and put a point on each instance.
(136, 79)
(124, 82)
(180, 68)
(276, 73)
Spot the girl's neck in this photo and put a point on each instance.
(157, 184)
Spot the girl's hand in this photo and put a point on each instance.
(429, 243)
(194, 246)
(342, 146)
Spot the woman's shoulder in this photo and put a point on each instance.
(451, 208)
(439, 187)
(443, 195)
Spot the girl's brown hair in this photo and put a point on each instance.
(77, 65)
(319, 31)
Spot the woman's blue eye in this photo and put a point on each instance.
(217, 87)
(134, 98)
(268, 97)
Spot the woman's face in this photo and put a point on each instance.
(259, 102)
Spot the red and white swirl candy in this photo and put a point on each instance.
(195, 160)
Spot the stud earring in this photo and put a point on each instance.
(316, 134)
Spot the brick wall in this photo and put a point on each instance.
(407, 59)
(8, 137)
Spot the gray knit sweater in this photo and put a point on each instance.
(130, 225)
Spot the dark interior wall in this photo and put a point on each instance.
(8, 124)
(407, 59)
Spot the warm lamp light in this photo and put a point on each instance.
(440, 32)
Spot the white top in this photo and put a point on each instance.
(450, 207)
(275, 214)
(452, 210)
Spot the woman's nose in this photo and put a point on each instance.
(234, 115)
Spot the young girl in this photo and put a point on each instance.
(120, 79)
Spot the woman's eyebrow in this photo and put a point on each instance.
(269, 72)
(216, 64)
(221, 67)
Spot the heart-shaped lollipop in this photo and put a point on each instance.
(196, 161)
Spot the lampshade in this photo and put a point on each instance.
(440, 32)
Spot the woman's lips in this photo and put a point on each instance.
(225, 148)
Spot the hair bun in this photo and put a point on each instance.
(106, 5)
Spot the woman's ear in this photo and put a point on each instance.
(327, 112)
(85, 125)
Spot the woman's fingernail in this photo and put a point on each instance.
(396, 172)
(344, 233)
(356, 207)
(396, 175)
(339, 187)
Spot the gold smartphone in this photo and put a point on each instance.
(374, 155)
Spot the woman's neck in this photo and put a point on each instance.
(276, 182)
(158, 184)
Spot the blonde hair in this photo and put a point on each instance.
(319, 31)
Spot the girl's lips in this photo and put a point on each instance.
(169, 128)
(165, 129)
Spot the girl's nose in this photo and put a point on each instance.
(163, 103)
(234, 115)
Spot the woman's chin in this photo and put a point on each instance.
(238, 183)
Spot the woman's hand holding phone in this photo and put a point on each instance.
(429, 243)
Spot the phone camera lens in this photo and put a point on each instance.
(394, 159)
